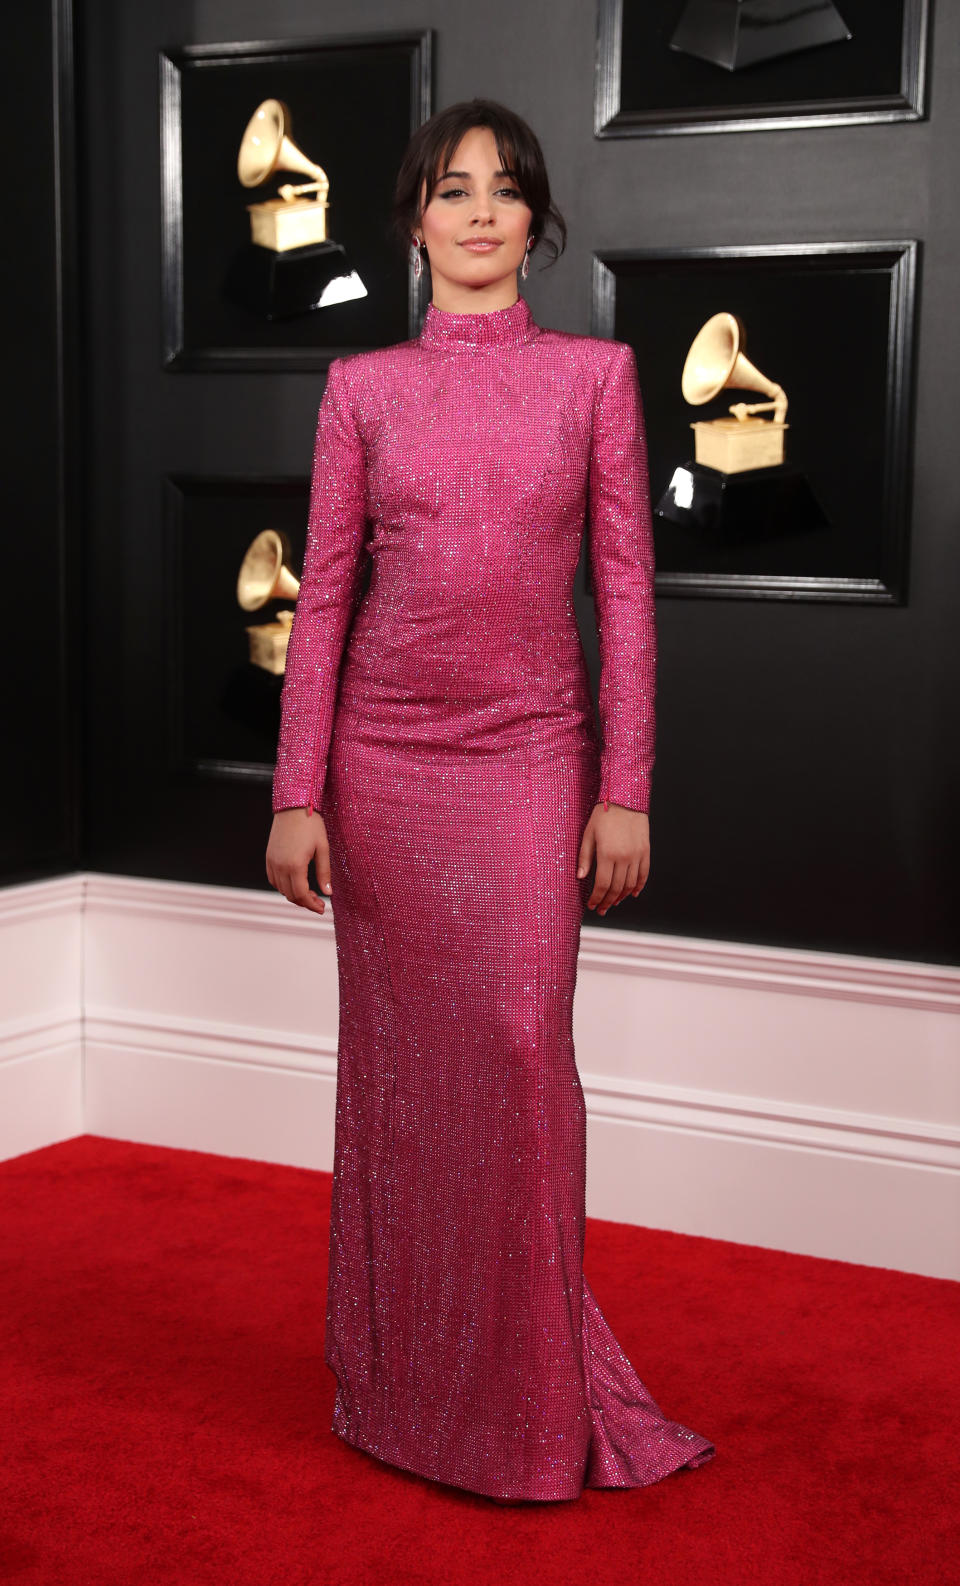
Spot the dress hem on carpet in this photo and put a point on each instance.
(691, 1461)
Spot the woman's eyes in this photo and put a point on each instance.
(451, 192)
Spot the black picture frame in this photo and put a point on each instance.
(643, 88)
(222, 713)
(207, 94)
(835, 324)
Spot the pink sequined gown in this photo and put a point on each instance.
(442, 724)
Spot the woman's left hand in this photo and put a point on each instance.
(619, 839)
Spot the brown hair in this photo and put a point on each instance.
(430, 150)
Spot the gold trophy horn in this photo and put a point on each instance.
(266, 575)
(715, 361)
(290, 221)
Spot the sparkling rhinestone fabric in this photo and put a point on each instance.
(442, 724)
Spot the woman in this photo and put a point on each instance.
(438, 762)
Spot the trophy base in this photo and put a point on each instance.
(268, 644)
(757, 504)
(281, 223)
(738, 33)
(733, 446)
(282, 285)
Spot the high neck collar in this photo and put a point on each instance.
(498, 327)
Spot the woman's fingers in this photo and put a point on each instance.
(616, 880)
(605, 886)
(601, 880)
(629, 881)
(615, 888)
(289, 856)
(321, 863)
(296, 888)
(301, 891)
(587, 847)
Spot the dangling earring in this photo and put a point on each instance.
(417, 257)
(525, 267)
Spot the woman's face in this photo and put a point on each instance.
(475, 202)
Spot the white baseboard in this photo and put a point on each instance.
(41, 1098)
(268, 1094)
(41, 1023)
(795, 1100)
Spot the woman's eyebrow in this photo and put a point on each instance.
(467, 174)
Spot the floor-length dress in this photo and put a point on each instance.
(441, 722)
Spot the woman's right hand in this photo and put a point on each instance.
(295, 839)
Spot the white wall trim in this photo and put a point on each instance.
(664, 1106)
(30, 1035)
(773, 1123)
(879, 980)
(41, 1025)
(29, 900)
(801, 1100)
(793, 970)
(213, 1042)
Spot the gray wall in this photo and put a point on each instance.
(805, 784)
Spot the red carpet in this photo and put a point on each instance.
(166, 1409)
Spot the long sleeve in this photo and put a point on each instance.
(329, 587)
(622, 573)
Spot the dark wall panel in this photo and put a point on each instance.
(41, 518)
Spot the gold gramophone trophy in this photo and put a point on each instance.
(738, 486)
(265, 574)
(715, 361)
(290, 266)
